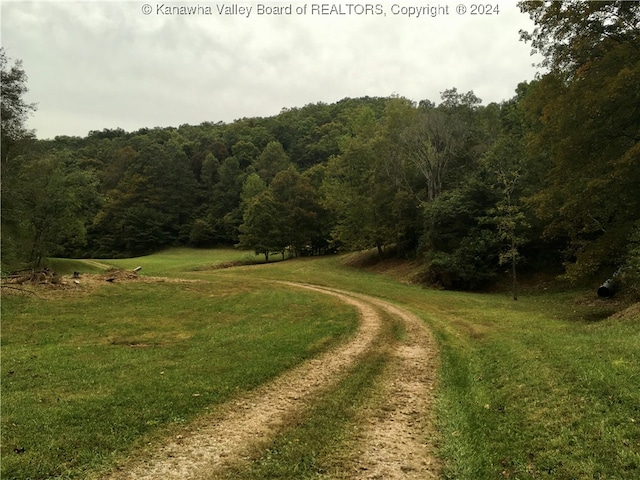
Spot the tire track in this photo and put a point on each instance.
(228, 436)
(396, 440)
(399, 437)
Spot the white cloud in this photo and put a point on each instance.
(94, 65)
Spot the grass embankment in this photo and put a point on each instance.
(545, 387)
(88, 378)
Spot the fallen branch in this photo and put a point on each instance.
(20, 290)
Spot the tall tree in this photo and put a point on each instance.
(572, 33)
(14, 110)
(224, 202)
(588, 126)
(14, 146)
(505, 163)
(272, 160)
(299, 207)
(432, 144)
(152, 205)
(51, 204)
(263, 226)
(357, 189)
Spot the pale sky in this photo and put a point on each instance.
(108, 64)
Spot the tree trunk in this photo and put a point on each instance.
(513, 267)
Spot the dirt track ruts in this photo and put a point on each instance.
(394, 441)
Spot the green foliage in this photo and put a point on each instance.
(46, 209)
(263, 228)
(572, 33)
(13, 109)
(286, 215)
(547, 180)
(151, 205)
(461, 243)
(245, 152)
(356, 187)
(588, 127)
(253, 186)
(272, 160)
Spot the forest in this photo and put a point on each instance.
(547, 181)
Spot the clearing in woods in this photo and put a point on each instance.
(396, 440)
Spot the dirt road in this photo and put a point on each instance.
(394, 443)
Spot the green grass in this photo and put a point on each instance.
(65, 266)
(170, 262)
(545, 387)
(320, 442)
(180, 260)
(534, 396)
(88, 378)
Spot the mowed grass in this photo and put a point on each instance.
(540, 390)
(88, 378)
(178, 261)
(320, 442)
(170, 262)
(545, 387)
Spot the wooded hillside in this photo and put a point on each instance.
(547, 180)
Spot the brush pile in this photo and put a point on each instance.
(44, 276)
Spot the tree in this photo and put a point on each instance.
(252, 186)
(506, 166)
(152, 205)
(432, 144)
(50, 206)
(570, 34)
(588, 127)
(298, 204)
(505, 160)
(263, 226)
(14, 111)
(357, 189)
(272, 160)
(452, 100)
(460, 244)
(245, 152)
(13, 114)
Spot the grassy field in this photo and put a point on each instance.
(172, 262)
(88, 377)
(546, 387)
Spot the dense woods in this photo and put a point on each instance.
(548, 180)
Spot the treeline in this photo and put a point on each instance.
(549, 179)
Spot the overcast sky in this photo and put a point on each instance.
(94, 65)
